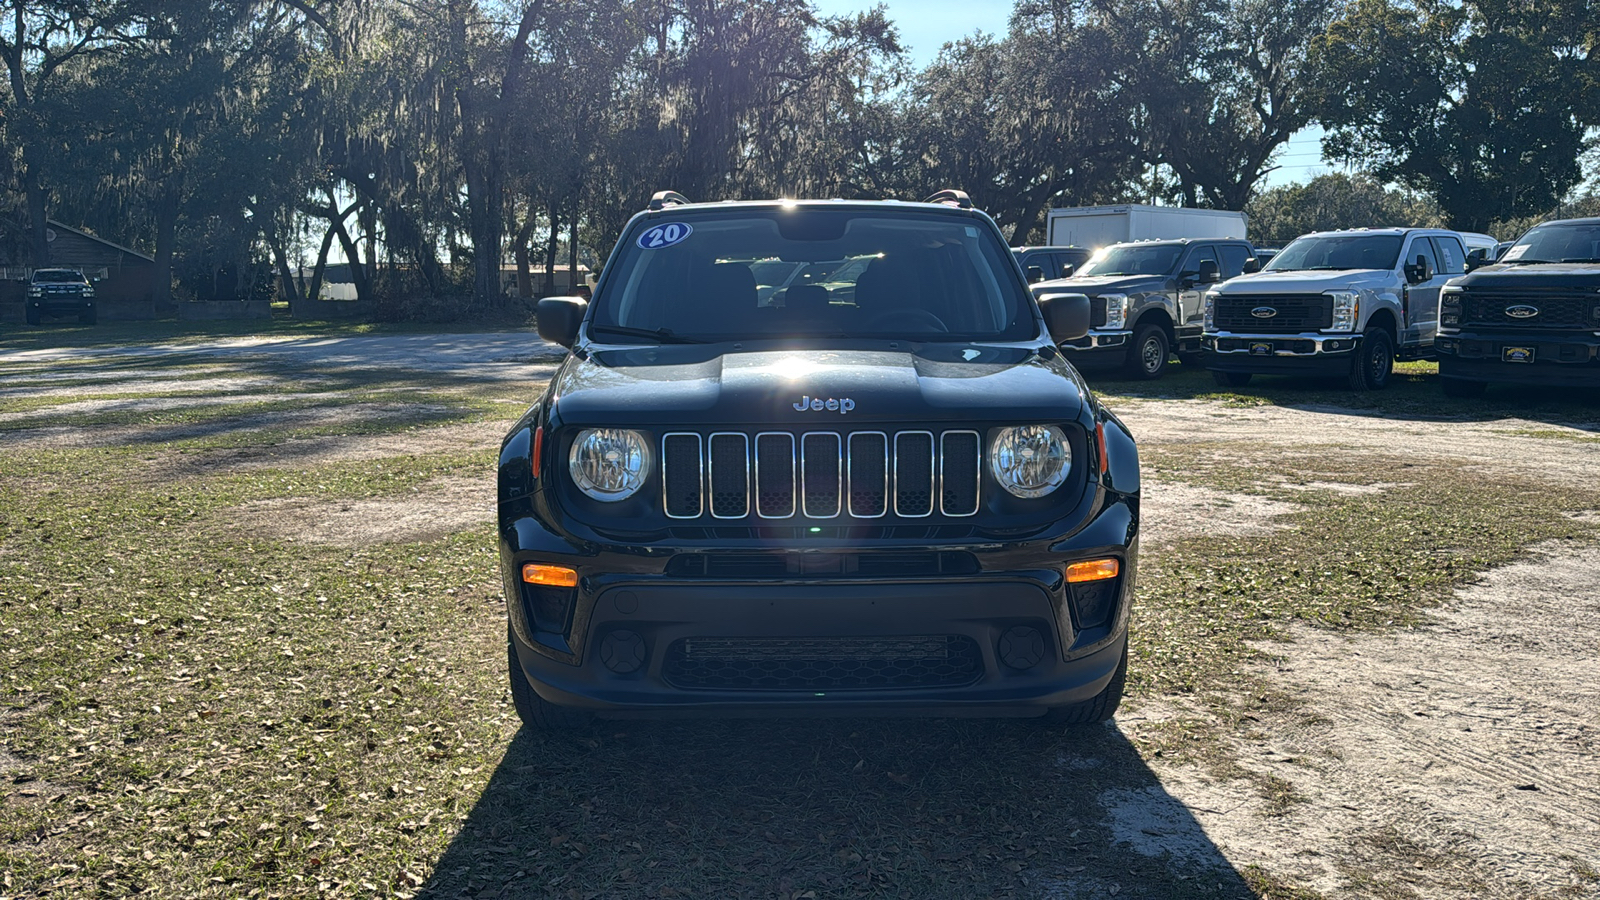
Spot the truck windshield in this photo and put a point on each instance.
(56, 276)
(1557, 242)
(738, 274)
(1354, 251)
(1132, 259)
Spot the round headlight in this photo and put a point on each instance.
(1030, 460)
(609, 463)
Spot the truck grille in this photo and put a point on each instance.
(1559, 308)
(1293, 313)
(823, 664)
(820, 474)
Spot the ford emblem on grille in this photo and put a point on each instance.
(1522, 311)
(1263, 312)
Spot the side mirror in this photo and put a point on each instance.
(1421, 271)
(1252, 265)
(1209, 272)
(1035, 274)
(1066, 316)
(558, 319)
(1068, 269)
(1475, 262)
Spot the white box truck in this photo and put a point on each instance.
(1099, 226)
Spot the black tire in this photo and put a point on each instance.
(33, 317)
(1100, 708)
(90, 317)
(1463, 387)
(1231, 379)
(1147, 355)
(1369, 371)
(536, 713)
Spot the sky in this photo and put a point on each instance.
(927, 25)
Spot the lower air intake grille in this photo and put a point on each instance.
(823, 664)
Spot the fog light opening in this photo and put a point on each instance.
(623, 651)
(1021, 647)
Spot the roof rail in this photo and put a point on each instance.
(664, 199)
(951, 197)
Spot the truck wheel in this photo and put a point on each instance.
(1463, 387)
(33, 317)
(536, 713)
(1231, 379)
(1369, 371)
(90, 317)
(1147, 356)
(1101, 707)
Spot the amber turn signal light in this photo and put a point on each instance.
(1093, 570)
(551, 576)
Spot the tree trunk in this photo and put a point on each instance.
(37, 217)
(314, 289)
(166, 237)
(352, 253)
(521, 253)
(572, 251)
(550, 253)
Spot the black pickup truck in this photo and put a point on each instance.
(1146, 300)
(1531, 318)
(889, 493)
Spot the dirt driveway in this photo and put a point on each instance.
(1454, 756)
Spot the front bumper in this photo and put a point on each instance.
(1309, 353)
(926, 644)
(1570, 359)
(63, 305)
(1099, 339)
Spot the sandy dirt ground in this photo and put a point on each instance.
(1459, 758)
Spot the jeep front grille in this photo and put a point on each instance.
(1291, 313)
(820, 474)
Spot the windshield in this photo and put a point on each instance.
(56, 275)
(1132, 259)
(1557, 242)
(1341, 251)
(776, 273)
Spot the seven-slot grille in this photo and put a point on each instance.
(820, 474)
(1293, 313)
(1558, 308)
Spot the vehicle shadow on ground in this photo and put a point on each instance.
(1410, 395)
(817, 808)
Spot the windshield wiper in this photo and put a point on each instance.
(664, 335)
(1527, 262)
(1580, 259)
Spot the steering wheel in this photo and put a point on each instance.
(905, 317)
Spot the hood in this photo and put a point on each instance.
(693, 386)
(1307, 282)
(1099, 284)
(1579, 276)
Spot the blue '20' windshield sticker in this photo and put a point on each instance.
(665, 235)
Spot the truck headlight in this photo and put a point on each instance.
(609, 463)
(1116, 310)
(1450, 306)
(1030, 460)
(1211, 311)
(1346, 310)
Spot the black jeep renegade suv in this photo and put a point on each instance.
(878, 489)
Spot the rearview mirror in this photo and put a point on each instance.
(1209, 272)
(558, 318)
(1066, 316)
